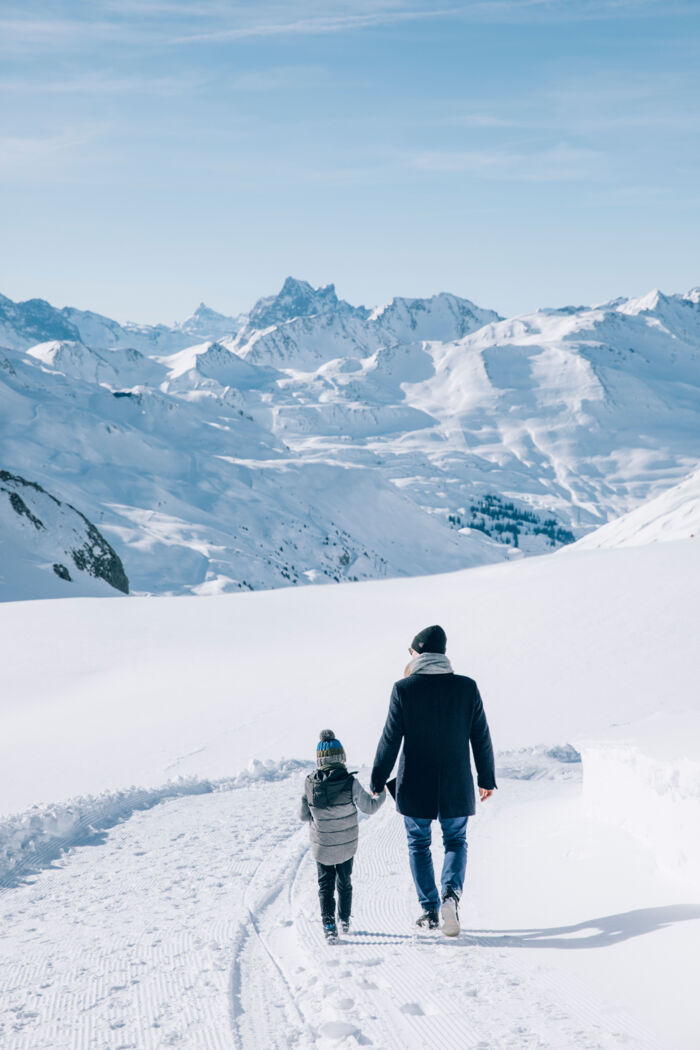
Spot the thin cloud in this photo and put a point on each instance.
(166, 22)
(59, 35)
(100, 84)
(23, 154)
(311, 25)
(556, 164)
(485, 120)
(276, 78)
(588, 107)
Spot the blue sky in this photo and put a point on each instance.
(523, 153)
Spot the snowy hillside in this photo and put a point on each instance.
(313, 440)
(48, 549)
(674, 515)
(194, 922)
(621, 618)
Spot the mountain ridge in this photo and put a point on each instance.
(344, 443)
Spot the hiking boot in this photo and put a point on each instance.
(331, 931)
(429, 919)
(449, 915)
(345, 925)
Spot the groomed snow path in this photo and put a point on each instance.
(194, 924)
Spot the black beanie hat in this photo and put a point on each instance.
(430, 640)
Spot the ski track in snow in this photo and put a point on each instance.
(195, 925)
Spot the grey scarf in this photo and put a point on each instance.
(430, 663)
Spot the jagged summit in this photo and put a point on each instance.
(299, 299)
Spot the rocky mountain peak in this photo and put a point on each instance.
(297, 298)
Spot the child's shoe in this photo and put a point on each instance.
(331, 931)
(345, 925)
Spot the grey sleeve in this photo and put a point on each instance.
(304, 811)
(364, 801)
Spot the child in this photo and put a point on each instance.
(329, 804)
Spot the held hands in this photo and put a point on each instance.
(485, 793)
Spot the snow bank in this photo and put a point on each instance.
(561, 762)
(645, 779)
(33, 839)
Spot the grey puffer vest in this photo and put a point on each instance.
(333, 828)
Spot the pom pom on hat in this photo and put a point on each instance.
(329, 751)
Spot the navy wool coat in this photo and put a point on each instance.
(436, 716)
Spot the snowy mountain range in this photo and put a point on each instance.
(312, 440)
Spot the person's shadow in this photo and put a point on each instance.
(594, 933)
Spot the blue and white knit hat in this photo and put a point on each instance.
(329, 751)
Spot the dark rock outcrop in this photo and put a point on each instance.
(75, 535)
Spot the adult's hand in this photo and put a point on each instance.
(485, 793)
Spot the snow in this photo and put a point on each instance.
(644, 777)
(185, 442)
(47, 547)
(31, 840)
(194, 924)
(183, 911)
(563, 645)
(673, 515)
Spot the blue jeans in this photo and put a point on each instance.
(454, 837)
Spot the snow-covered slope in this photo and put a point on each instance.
(315, 440)
(674, 515)
(195, 494)
(48, 549)
(195, 922)
(562, 646)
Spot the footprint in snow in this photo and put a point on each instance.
(415, 1009)
(337, 1030)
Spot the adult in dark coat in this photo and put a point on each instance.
(436, 714)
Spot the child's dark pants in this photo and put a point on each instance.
(328, 876)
